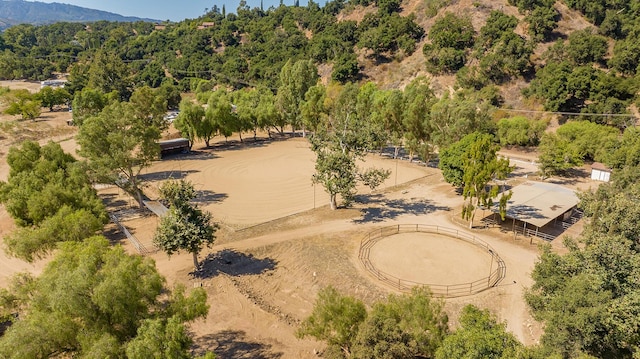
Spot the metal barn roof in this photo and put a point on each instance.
(539, 203)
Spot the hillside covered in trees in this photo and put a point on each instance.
(439, 79)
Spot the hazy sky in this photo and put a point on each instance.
(165, 9)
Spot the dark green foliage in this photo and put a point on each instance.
(452, 31)
(583, 88)
(626, 153)
(479, 336)
(497, 25)
(404, 326)
(50, 97)
(626, 56)
(451, 160)
(345, 68)
(542, 22)
(528, 5)
(389, 33)
(443, 60)
(87, 103)
(585, 47)
(450, 36)
(587, 298)
(596, 11)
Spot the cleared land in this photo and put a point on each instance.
(278, 246)
(430, 258)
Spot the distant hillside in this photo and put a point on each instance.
(13, 12)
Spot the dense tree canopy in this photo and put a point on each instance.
(93, 300)
(402, 326)
(50, 196)
(122, 140)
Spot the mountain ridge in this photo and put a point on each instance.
(14, 12)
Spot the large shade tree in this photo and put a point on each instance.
(122, 140)
(346, 137)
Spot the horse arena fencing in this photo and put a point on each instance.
(130, 237)
(443, 290)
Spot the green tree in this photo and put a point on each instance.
(50, 197)
(346, 137)
(520, 131)
(588, 298)
(185, 227)
(481, 165)
(87, 103)
(452, 118)
(452, 31)
(92, 300)
(588, 140)
(336, 172)
(50, 97)
(480, 336)
(118, 145)
(542, 22)
(416, 120)
(335, 319)
(451, 160)
(556, 155)
(219, 118)
(23, 103)
(108, 72)
(295, 80)
(189, 120)
(313, 109)
(585, 47)
(404, 326)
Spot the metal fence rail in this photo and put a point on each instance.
(450, 290)
(132, 239)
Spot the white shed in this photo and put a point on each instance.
(600, 172)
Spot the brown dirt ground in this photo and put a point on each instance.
(279, 244)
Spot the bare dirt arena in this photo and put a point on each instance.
(279, 243)
(431, 259)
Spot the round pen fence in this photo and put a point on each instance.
(444, 290)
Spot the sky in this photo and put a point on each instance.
(165, 9)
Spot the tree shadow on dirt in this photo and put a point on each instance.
(165, 175)
(112, 200)
(233, 344)
(235, 145)
(380, 208)
(206, 197)
(190, 156)
(233, 263)
(571, 176)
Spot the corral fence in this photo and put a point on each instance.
(130, 237)
(496, 274)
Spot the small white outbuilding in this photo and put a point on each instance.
(600, 172)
